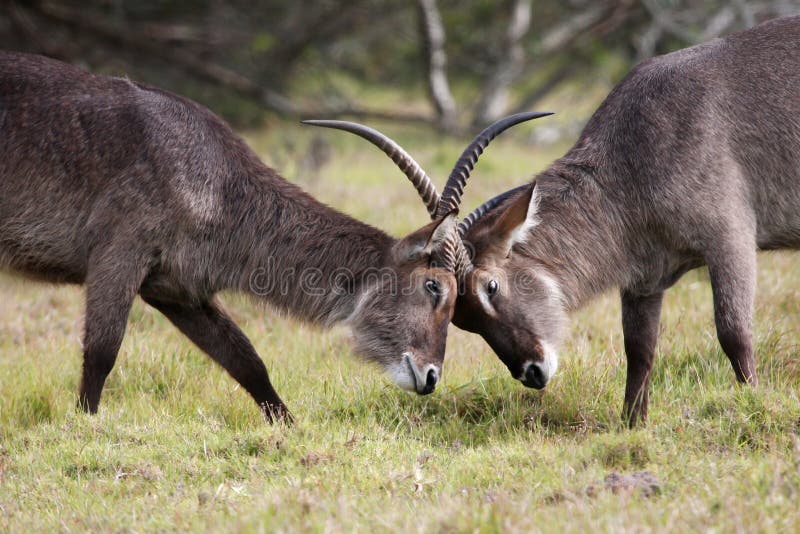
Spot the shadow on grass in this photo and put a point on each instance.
(479, 411)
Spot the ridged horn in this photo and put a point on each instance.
(418, 177)
(462, 263)
(486, 207)
(454, 188)
(447, 255)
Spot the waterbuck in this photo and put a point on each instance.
(132, 190)
(693, 159)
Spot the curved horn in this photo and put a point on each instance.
(453, 256)
(486, 207)
(419, 179)
(451, 194)
(447, 256)
(462, 263)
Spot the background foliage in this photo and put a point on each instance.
(304, 57)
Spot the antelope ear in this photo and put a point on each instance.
(427, 239)
(513, 224)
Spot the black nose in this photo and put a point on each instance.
(430, 382)
(534, 376)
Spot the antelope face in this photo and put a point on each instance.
(514, 303)
(518, 311)
(401, 320)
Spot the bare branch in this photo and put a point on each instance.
(305, 28)
(719, 23)
(748, 17)
(23, 23)
(646, 42)
(529, 100)
(566, 32)
(664, 19)
(597, 20)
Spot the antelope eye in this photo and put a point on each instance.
(491, 288)
(433, 287)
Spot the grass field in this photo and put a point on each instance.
(176, 445)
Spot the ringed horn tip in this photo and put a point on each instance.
(454, 188)
(418, 177)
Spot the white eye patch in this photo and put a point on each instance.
(486, 304)
(551, 286)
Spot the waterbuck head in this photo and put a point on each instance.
(514, 305)
(401, 319)
(404, 308)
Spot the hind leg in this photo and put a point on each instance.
(732, 268)
(111, 285)
(210, 328)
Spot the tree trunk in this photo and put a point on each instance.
(494, 99)
(433, 38)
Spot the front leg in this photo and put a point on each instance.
(640, 319)
(210, 328)
(111, 285)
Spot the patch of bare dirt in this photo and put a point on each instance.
(643, 483)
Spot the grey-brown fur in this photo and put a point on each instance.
(133, 190)
(693, 159)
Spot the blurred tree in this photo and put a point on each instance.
(304, 57)
(433, 37)
(493, 101)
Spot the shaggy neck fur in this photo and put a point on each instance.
(577, 237)
(285, 247)
(310, 260)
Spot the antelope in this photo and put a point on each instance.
(130, 190)
(693, 159)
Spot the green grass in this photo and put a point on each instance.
(177, 446)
